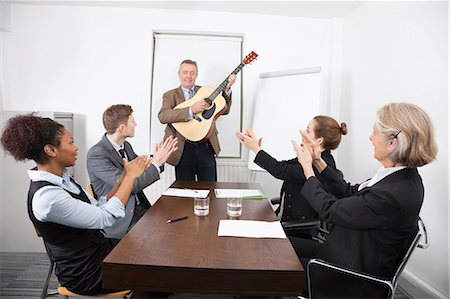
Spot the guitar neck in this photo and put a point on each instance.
(225, 82)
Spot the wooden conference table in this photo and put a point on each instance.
(188, 257)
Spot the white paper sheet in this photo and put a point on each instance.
(244, 193)
(251, 229)
(186, 192)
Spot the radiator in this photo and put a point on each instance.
(226, 172)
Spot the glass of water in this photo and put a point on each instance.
(201, 206)
(234, 206)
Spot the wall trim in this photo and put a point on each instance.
(417, 288)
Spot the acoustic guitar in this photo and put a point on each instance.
(202, 125)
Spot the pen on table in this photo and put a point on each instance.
(191, 190)
(176, 219)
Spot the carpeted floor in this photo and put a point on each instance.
(22, 275)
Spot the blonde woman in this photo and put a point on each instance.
(373, 222)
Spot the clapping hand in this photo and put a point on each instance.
(131, 171)
(303, 154)
(249, 140)
(313, 145)
(163, 150)
(137, 166)
(304, 157)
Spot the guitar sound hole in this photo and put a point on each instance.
(207, 114)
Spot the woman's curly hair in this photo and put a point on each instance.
(25, 136)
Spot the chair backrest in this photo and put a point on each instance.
(422, 233)
(423, 229)
(91, 191)
(64, 292)
(45, 292)
(320, 289)
(37, 232)
(406, 258)
(47, 249)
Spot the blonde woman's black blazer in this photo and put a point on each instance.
(372, 228)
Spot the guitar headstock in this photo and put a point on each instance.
(250, 57)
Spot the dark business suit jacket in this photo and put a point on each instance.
(295, 206)
(372, 228)
(168, 115)
(105, 165)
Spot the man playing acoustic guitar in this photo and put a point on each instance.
(194, 160)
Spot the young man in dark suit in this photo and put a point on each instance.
(105, 162)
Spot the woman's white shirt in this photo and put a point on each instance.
(379, 175)
(54, 204)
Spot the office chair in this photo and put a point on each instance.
(91, 191)
(45, 292)
(312, 229)
(64, 292)
(362, 285)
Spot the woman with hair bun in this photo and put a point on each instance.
(327, 132)
(68, 219)
(375, 221)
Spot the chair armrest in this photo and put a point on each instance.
(300, 224)
(328, 280)
(307, 229)
(275, 201)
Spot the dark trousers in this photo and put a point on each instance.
(98, 288)
(197, 163)
(306, 250)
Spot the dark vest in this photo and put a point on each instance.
(78, 253)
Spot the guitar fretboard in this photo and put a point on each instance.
(224, 83)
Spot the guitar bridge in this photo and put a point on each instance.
(197, 118)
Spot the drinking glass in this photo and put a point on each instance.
(201, 206)
(234, 206)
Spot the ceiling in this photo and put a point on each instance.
(309, 9)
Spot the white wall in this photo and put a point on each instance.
(4, 26)
(398, 51)
(83, 59)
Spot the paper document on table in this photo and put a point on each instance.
(186, 192)
(251, 229)
(244, 193)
